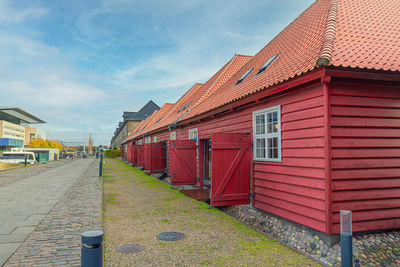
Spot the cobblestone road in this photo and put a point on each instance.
(60, 203)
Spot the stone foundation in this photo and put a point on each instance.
(372, 249)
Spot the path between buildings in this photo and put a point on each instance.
(138, 207)
(56, 205)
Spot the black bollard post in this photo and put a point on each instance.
(26, 160)
(101, 166)
(92, 249)
(346, 236)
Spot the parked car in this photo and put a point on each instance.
(68, 154)
(18, 157)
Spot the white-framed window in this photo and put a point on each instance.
(172, 136)
(267, 134)
(155, 139)
(147, 140)
(193, 133)
(140, 142)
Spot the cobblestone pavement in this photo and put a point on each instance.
(13, 175)
(58, 204)
(374, 249)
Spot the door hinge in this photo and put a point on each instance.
(251, 195)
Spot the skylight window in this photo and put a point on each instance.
(266, 64)
(244, 76)
(184, 107)
(159, 119)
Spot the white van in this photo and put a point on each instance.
(18, 157)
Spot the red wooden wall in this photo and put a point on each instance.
(146, 157)
(294, 188)
(366, 154)
(140, 155)
(134, 154)
(129, 152)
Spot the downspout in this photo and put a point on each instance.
(325, 57)
(326, 80)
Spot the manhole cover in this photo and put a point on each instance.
(131, 248)
(170, 236)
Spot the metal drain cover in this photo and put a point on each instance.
(131, 248)
(170, 236)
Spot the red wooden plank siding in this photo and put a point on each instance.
(164, 137)
(295, 188)
(366, 154)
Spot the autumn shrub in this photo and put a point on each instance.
(116, 153)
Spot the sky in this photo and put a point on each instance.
(79, 64)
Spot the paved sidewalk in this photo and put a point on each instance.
(10, 176)
(25, 203)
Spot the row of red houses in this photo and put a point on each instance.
(307, 127)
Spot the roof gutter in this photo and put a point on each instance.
(310, 76)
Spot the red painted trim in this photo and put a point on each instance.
(201, 162)
(327, 151)
(253, 98)
(313, 75)
(363, 74)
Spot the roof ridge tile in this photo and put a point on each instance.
(329, 35)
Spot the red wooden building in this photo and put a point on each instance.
(307, 127)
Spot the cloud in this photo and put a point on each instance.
(9, 14)
(80, 64)
(16, 49)
(37, 74)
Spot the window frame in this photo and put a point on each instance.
(194, 135)
(172, 135)
(267, 135)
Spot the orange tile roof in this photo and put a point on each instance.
(141, 129)
(201, 93)
(298, 46)
(346, 33)
(150, 122)
(339, 33)
(367, 35)
(154, 124)
(179, 104)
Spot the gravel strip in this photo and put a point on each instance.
(139, 207)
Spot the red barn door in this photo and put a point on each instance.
(134, 154)
(183, 162)
(157, 157)
(140, 156)
(231, 160)
(129, 151)
(146, 156)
